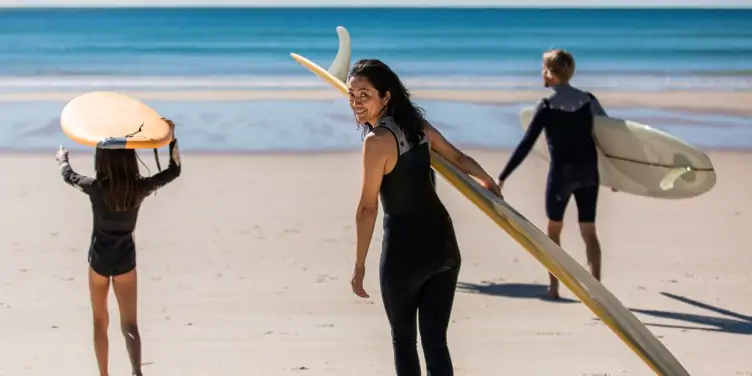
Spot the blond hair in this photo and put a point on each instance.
(560, 63)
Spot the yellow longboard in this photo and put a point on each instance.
(591, 292)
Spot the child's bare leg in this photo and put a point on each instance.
(99, 287)
(126, 292)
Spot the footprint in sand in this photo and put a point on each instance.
(290, 231)
(548, 334)
(321, 278)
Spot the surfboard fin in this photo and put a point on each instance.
(341, 65)
(672, 176)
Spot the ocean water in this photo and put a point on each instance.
(58, 49)
(320, 126)
(53, 50)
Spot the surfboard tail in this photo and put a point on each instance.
(340, 67)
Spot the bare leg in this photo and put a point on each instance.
(126, 293)
(554, 232)
(99, 287)
(592, 247)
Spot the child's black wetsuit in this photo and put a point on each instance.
(112, 251)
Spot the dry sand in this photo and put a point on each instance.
(245, 261)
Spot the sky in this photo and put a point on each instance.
(492, 3)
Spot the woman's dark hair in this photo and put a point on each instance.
(407, 115)
(117, 171)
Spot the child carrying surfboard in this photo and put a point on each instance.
(116, 194)
(566, 115)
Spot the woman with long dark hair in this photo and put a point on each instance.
(420, 258)
(116, 195)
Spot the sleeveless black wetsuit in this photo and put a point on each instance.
(566, 116)
(112, 250)
(420, 259)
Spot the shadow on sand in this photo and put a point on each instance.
(512, 290)
(732, 323)
(727, 321)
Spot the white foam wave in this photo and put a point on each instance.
(637, 83)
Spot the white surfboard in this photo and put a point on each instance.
(637, 159)
(592, 293)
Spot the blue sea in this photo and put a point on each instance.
(59, 50)
(619, 49)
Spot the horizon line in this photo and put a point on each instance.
(373, 6)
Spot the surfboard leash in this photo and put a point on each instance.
(156, 158)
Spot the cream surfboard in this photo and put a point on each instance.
(637, 159)
(113, 120)
(591, 292)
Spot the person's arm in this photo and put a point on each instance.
(464, 162)
(375, 149)
(173, 170)
(70, 177)
(526, 144)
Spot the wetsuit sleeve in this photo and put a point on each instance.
(81, 182)
(595, 106)
(527, 143)
(164, 177)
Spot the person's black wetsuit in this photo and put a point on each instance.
(420, 259)
(566, 116)
(112, 251)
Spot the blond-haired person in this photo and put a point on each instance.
(566, 117)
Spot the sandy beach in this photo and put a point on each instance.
(245, 261)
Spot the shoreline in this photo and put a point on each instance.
(316, 125)
(147, 154)
(716, 102)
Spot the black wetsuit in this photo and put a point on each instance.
(420, 260)
(112, 250)
(566, 116)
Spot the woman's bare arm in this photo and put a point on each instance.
(464, 162)
(375, 150)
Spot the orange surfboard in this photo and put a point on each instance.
(111, 120)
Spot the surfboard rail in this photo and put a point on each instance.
(591, 292)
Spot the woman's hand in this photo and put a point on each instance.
(357, 281)
(491, 185)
